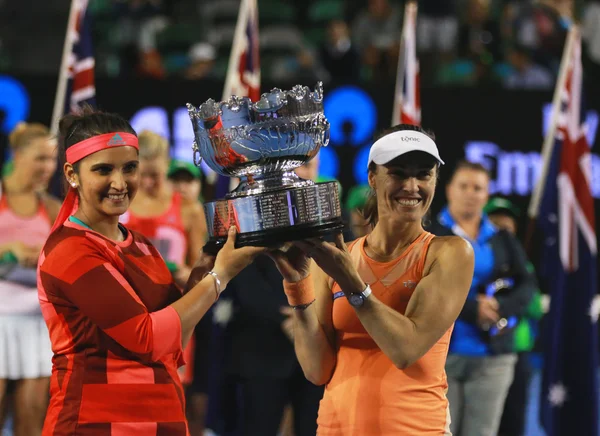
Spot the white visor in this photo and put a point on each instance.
(388, 148)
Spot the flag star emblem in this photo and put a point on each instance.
(557, 395)
(223, 312)
(594, 312)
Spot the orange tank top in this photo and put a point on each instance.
(166, 232)
(367, 394)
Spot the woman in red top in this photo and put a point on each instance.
(378, 332)
(117, 321)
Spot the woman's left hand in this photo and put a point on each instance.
(334, 259)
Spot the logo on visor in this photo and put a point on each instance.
(410, 139)
(116, 140)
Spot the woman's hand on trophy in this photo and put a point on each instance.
(334, 259)
(291, 261)
(230, 260)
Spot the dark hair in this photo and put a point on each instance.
(76, 127)
(369, 211)
(466, 165)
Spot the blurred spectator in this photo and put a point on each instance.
(301, 66)
(518, 24)
(437, 26)
(138, 9)
(151, 65)
(202, 61)
(551, 28)
(591, 35)
(26, 215)
(564, 8)
(470, 72)
(338, 55)
(185, 177)
(376, 32)
(525, 73)
(479, 36)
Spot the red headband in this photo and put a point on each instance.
(96, 143)
(82, 149)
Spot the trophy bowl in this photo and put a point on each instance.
(261, 143)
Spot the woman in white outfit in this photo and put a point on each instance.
(26, 215)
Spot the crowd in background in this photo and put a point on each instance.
(510, 43)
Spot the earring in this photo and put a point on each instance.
(73, 184)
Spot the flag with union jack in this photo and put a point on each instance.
(569, 404)
(243, 72)
(80, 83)
(76, 84)
(407, 98)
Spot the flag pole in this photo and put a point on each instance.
(238, 35)
(61, 87)
(401, 66)
(548, 145)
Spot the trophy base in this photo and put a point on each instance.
(275, 237)
(272, 218)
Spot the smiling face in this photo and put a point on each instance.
(107, 181)
(405, 187)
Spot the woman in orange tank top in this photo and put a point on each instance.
(373, 320)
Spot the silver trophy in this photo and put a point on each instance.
(261, 143)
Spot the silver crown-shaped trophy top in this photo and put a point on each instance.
(270, 137)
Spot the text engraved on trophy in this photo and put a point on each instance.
(274, 210)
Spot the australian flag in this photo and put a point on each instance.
(81, 87)
(569, 404)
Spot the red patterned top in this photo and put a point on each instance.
(116, 340)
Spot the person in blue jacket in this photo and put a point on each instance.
(481, 360)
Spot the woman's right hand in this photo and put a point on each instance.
(293, 264)
(230, 260)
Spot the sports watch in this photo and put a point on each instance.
(357, 299)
